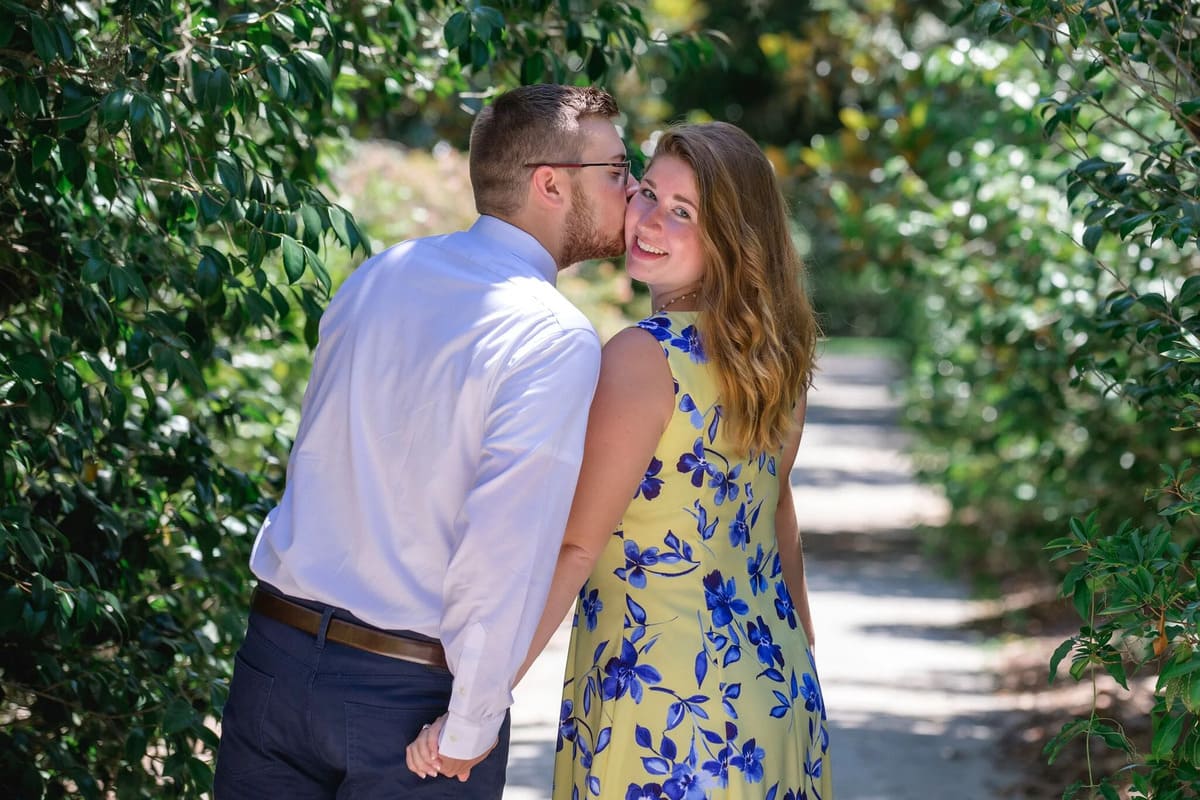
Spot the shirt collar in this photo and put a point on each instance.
(518, 242)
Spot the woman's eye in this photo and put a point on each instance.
(682, 213)
(648, 193)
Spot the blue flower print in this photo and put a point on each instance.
(810, 690)
(813, 768)
(718, 766)
(649, 791)
(739, 531)
(721, 598)
(688, 406)
(755, 567)
(626, 675)
(688, 341)
(684, 783)
(567, 728)
(750, 761)
(591, 605)
(659, 327)
(705, 528)
(651, 484)
(760, 636)
(696, 463)
(636, 560)
(724, 482)
(715, 425)
(783, 604)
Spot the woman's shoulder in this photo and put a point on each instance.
(635, 376)
(635, 347)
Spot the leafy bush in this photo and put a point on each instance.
(1124, 110)
(1035, 194)
(162, 233)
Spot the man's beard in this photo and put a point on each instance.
(581, 239)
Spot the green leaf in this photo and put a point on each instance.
(1167, 729)
(44, 40)
(114, 109)
(337, 221)
(458, 30)
(312, 226)
(30, 366)
(597, 63)
(293, 259)
(986, 12)
(68, 382)
(1077, 28)
(229, 170)
(317, 69)
(1185, 355)
(487, 21)
(1190, 291)
(256, 248)
(533, 69)
(1117, 670)
(1082, 598)
(1091, 237)
(480, 53)
(1059, 654)
(208, 277)
(31, 545)
(280, 80)
(177, 716)
(318, 268)
(94, 270)
(243, 20)
(1178, 669)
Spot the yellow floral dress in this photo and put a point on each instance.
(689, 674)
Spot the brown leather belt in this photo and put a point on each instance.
(349, 633)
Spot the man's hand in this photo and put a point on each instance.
(424, 759)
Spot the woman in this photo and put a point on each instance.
(690, 673)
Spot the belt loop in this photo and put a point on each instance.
(326, 615)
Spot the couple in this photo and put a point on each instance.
(409, 566)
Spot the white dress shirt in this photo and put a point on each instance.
(439, 445)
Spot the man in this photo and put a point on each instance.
(405, 568)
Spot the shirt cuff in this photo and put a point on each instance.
(463, 739)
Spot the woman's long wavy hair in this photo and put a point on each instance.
(756, 322)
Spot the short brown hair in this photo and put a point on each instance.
(523, 126)
(756, 321)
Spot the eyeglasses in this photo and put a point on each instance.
(621, 165)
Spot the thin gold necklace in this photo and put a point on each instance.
(672, 302)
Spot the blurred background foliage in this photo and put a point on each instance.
(1007, 189)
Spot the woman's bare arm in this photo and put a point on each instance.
(787, 528)
(633, 402)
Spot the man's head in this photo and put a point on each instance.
(549, 159)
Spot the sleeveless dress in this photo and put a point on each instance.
(689, 674)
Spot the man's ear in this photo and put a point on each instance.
(547, 189)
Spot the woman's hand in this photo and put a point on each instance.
(422, 753)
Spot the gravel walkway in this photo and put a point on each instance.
(908, 687)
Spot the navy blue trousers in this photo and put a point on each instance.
(307, 718)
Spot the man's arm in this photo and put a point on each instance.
(511, 525)
(633, 403)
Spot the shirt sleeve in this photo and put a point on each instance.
(513, 522)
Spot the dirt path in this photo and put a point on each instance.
(908, 688)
